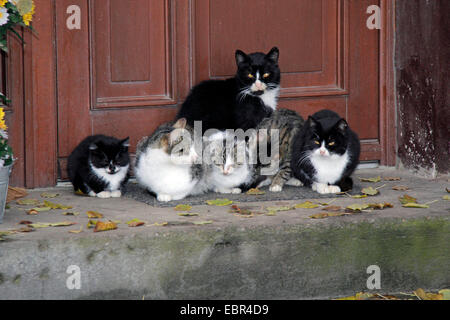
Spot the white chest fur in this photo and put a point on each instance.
(329, 169)
(113, 180)
(270, 98)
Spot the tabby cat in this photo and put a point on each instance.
(288, 123)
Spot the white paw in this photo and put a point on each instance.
(116, 194)
(223, 190)
(276, 188)
(294, 182)
(236, 191)
(164, 197)
(323, 188)
(92, 194)
(104, 194)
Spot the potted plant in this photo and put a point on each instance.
(13, 13)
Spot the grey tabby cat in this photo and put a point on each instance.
(288, 123)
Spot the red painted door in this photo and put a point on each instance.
(132, 63)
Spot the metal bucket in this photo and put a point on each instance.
(4, 181)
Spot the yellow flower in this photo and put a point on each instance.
(28, 16)
(2, 114)
(3, 125)
(3, 2)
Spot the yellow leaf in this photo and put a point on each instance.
(255, 192)
(377, 179)
(202, 222)
(135, 223)
(49, 195)
(306, 205)
(77, 231)
(94, 215)
(445, 294)
(415, 205)
(28, 202)
(56, 205)
(407, 199)
(183, 207)
(370, 191)
(357, 207)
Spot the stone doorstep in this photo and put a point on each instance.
(287, 256)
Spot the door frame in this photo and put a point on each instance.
(40, 91)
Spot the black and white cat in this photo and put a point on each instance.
(239, 102)
(99, 166)
(325, 153)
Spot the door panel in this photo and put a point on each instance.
(120, 80)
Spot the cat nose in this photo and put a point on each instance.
(259, 85)
(322, 152)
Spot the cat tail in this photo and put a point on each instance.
(346, 184)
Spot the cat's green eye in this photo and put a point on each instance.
(316, 142)
(266, 75)
(332, 143)
(250, 76)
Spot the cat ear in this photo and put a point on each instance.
(273, 55)
(93, 147)
(240, 57)
(125, 142)
(342, 125)
(180, 124)
(312, 122)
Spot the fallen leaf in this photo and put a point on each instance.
(25, 229)
(219, 202)
(407, 199)
(392, 178)
(183, 207)
(377, 179)
(322, 215)
(36, 210)
(370, 191)
(28, 202)
(306, 205)
(91, 224)
(400, 188)
(333, 208)
(271, 213)
(135, 223)
(160, 224)
(357, 207)
(25, 222)
(94, 215)
(415, 205)
(46, 225)
(446, 197)
(76, 231)
(255, 192)
(49, 195)
(421, 294)
(202, 222)
(187, 214)
(104, 226)
(380, 206)
(358, 296)
(359, 196)
(15, 193)
(56, 205)
(276, 209)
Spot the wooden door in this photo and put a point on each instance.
(118, 75)
(132, 63)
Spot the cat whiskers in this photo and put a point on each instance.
(305, 156)
(244, 92)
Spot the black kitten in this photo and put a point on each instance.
(239, 102)
(99, 166)
(325, 153)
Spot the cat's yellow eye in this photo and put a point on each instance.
(266, 75)
(250, 76)
(331, 143)
(316, 142)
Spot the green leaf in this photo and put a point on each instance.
(407, 199)
(446, 197)
(219, 202)
(199, 223)
(255, 192)
(357, 207)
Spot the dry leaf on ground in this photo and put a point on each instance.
(407, 199)
(135, 223)
(94, 215)
(15, 193)
(392, 178)
(49, 195)
(306, 205)
(400, 188)
(56, 205)
(187, 214)
(28, 202)
(105, 226)
(376, 179)
(183, 207)
(255, 192)
(370, 191)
